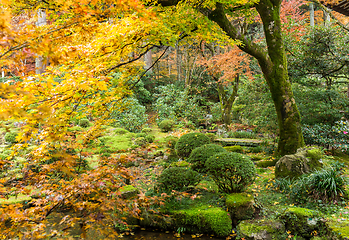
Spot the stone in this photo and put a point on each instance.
(263, 229)
(240, 206)
(304, 222)
(305, 160)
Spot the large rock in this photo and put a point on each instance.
(304, 161)
(304, 222)
(240, 206)
(263, 229)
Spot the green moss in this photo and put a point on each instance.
(240, 206)
(339, 228)
(120, 131)
(266, 163)
(179, 164)
(13, 200)
(314, 154)
(236, 148)
(204, 219)
(303, 222)
(250, 229)
(128, 191)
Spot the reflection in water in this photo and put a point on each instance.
(145, 235)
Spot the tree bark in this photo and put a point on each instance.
(311, 14)
(39, 60)
(274, 67)
(227, 101)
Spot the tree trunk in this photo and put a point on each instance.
(276, 75)
(311, 14)
(178, 63)
(226, 102)
(274, 67)
(39, 60)
(148, 58)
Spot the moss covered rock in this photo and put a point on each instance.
(261, 229)
(240, 206)
(304, 222)
(304, 161)
(235, 148)
(339, 229)
(128, 191)
(204, 219)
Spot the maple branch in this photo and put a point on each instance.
(150, 67)
(26, 43)
(331, 14)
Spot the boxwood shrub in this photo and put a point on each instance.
(188, 142)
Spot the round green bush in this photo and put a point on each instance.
(212, 136)
(141, 141)
(120, 131)
(150, 138)
(146, 130)
(84, 123)
(177, 178)
(188, 142)
(10, 137)
(232, 172)
(171, 141)
(166, 125)
(199, 156)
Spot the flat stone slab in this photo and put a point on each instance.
(239, 141)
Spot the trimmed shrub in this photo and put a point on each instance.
(166, 125)
(188, 142)
(232, 172)
(10, 137)
(84, 123)
(146, 130)
(141, 141)
(199, 156)
(120, 131)
(177, 178)
(171, 141)
(211, 136)
(150, 138)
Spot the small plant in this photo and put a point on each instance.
(177, 178)
(232, 172)
(84, 123)
(188, 142)
(120, 131)
(171, 141)
(10, 137)
(146, 130)
(140, 141)
(150, 138)
(166, 125)
(199, 156)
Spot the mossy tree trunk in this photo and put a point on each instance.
(227, 100)
(272, 62)
(274, 67)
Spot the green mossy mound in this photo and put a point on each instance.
(236, 148)
(340, 229)
(204, 219)
(240, 206)
(261, 229)
(304, 161)
(303, 222)
(128, 191)
(266, 163)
